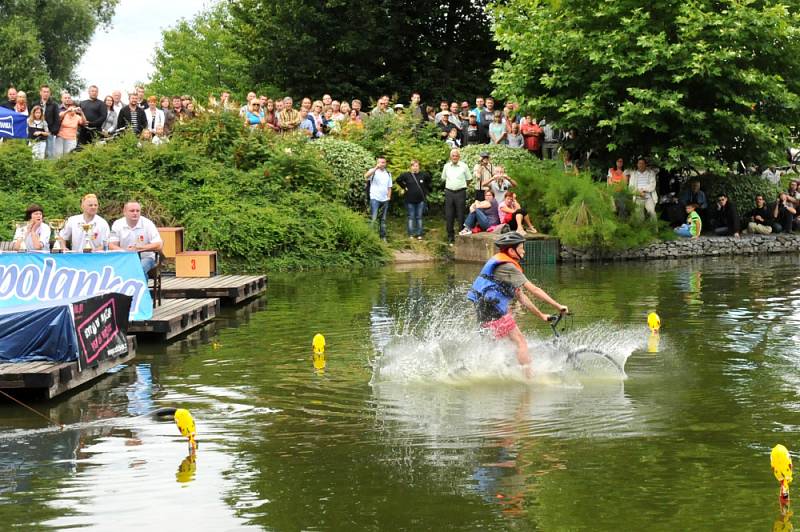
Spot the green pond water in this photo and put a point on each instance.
(682, 443)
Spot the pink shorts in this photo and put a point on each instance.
(501, 327)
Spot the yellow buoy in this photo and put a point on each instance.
(185, 423)
(654, 322)
(318, 343)
(781, 462)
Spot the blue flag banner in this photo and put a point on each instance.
(35, 280)
(13, 125)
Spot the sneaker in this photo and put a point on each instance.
(419, 237)
(411, 237)
(465, 231)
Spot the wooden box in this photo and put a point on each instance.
(196, 264)
(173, 241)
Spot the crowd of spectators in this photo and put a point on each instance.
(58, 127)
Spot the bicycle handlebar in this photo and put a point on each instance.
(554, 320)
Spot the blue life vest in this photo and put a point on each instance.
(491, 296)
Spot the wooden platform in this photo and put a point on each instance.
(176, 316)
(231, 289)
(55, 378)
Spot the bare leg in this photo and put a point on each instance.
(522, 351)
(530, 224)
(520, 229)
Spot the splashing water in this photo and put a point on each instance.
(439, 341)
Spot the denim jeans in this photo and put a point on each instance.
(477, 217)
(148, 263)
(374, 207)
(415, 218)
(683, 231)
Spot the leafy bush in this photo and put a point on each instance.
(576, 209)
(500, 155)
(741, 189)
(278, 215)
(348, 162)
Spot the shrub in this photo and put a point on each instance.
(348, 162)
(576, 209)
(500, 155)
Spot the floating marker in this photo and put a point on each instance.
(318, 343)
(781, 462)
(654, 322)
(185, 423)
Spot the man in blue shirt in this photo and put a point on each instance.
(380, 193)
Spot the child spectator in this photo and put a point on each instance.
(693, 225)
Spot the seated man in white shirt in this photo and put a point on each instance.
(134, 232)
(74, 232)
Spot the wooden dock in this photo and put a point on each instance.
(176, 316)
(231, 289)
(55, 378)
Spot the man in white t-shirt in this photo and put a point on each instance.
(74, 231)
(380, 192)
(134, 232)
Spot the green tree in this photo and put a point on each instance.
(43, 40)
(698, 84)
(357, 48)
(198, 57)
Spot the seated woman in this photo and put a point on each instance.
(512, 213)
(483, 214)
(36, 233)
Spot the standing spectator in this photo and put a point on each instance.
(116, 94)
(487, 116)
(497, 130)
(169, 116)
(514, 138)
(11, 98)
(500, 183)
(772, 175)
(94, 113)
(38, 132)
(783, 214)
(793, 193)
(445, 125)
(190, 112)
(430, 114)
(759, 219)
(454, 118)
(132, 116)
(444, 107)
(617, 181)
(455, 175)
(51, 116)
(356, 104)
(71, 119)
(338, 114)
(463, 114)
(724, 218)
(380, 193)
(271, 117)
(473, 133)
(153, 115)
(306, 124)
(254, 117)
(327, 100)
(509, 116)
(479, 109)
(550, 144)
(21, 104)
(354, 120)
(140, 100)
(482, 173)
(246, 107)
(177, 108)
(643, 185)
(533, 135)
(110, 124)
(416, 185)
(416, 109)
(316, 115)
(382, 108)
(288, 118)
(694, 194)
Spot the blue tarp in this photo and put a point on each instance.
(42, 334)
(13, 125)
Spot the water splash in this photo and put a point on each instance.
(439, 341)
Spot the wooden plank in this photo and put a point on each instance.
(177, 316)
(232, 289)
